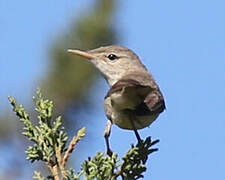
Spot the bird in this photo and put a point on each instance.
(134, 99)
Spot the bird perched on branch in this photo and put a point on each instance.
(134, 100)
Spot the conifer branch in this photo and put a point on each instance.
(50, 146)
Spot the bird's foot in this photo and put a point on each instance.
(109, 152)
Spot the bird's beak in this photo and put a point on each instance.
(81, 53)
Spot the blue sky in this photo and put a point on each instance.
(181, 42)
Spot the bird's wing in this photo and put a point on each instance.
(151, 100)
(155, 102)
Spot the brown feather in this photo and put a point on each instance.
(152, 100)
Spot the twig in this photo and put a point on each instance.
(54, 170)
(70, 149)
(59, 158)
(73, 142)
(117, 174)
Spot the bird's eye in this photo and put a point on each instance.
(112, 57)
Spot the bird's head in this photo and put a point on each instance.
(113, 62)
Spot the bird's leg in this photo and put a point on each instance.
(135, 130)
(106, 135)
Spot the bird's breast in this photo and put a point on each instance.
(120, 100)
(121, 110)
(123, 120)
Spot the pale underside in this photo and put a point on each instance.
(119, 108)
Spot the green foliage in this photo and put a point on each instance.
(71, 175)
(100, 167)
(50, 146)
(134, 161)
(47, 135)
(38, 176)
(132, 167)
